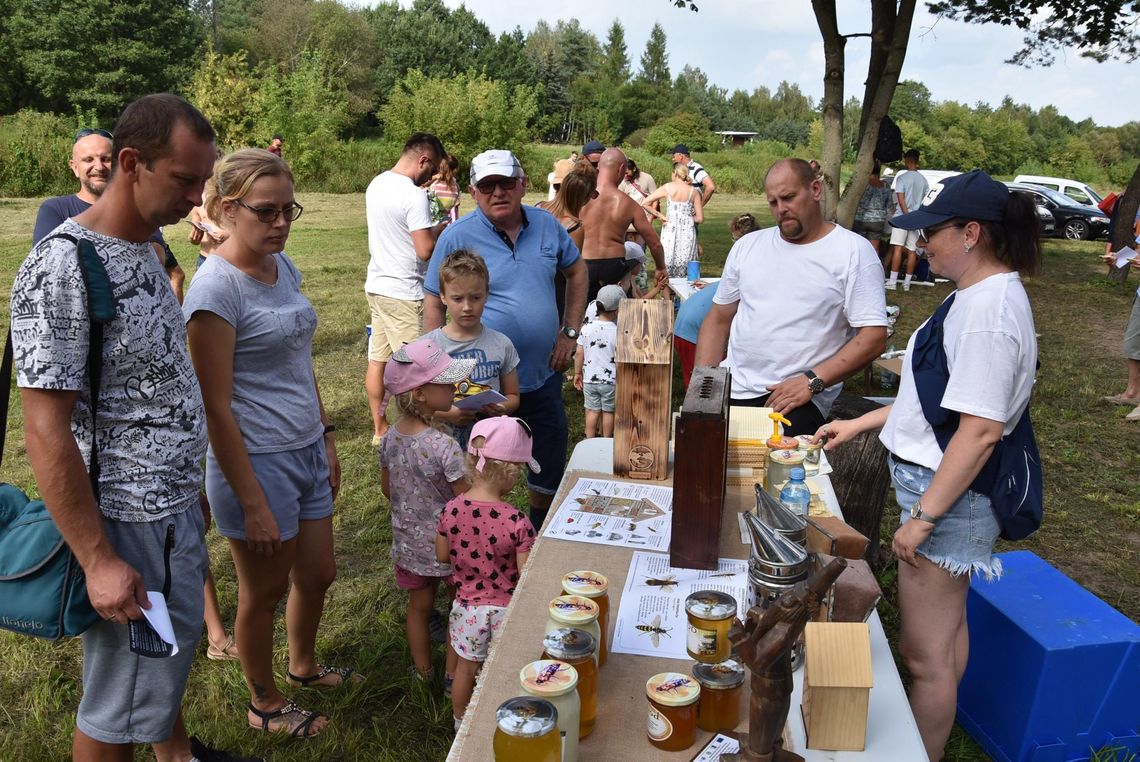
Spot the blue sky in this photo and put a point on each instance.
(751, 43)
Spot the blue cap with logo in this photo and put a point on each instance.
(970, 196)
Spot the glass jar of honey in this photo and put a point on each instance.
(592, 585)
(575, 611)
(576, 648)
(711, 614)
(780, 463)
(557, 682)
(811, 453)
(722, 686)
(526, 730)
(672, 720)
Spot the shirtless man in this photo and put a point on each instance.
(605, 220)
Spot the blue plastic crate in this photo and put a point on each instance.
(1054, 671)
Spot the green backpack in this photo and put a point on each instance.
(43, 591)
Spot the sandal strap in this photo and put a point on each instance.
(301, 730)
(344, 672)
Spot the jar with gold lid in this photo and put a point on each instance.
(526, 730)
(595, 586)
(672, 720)
(576, 648)
(578, 612)
(780, 464)
(722, 686)
(711, 614)
(557, 682)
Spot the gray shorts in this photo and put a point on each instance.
(1132, 333)
(295, 482)
(599, 397)
(129, 698)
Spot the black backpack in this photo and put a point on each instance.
(889, 146)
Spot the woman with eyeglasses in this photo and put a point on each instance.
(271, 469)
(984, 238)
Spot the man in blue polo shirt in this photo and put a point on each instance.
(523, 247)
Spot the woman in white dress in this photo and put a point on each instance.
(684, 210)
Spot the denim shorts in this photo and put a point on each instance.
(963, 539)
(599, 397)
(295, 482)
(545, 413)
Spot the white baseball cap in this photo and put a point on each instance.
(495, 163)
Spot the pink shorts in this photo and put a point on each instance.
(406, 580)
(472, 628)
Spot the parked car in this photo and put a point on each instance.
(1072, 220)
(1074, 189)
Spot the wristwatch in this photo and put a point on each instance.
(815, 383)
(916, 513)
(570, 333)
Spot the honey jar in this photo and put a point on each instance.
(557, 682)
(526, 730)
(711, 614)
(576, 648)
(722, 686)
(672, 720)
(575, 611)
(595, 586)
(780, 463)
(811, 453)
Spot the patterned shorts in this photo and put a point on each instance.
(472, 628)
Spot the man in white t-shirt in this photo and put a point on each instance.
(910, 187)
(401, 239)
(799, 307)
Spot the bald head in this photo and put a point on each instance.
(794, 193)
(800, 169)
(91, 165)
(611, 167)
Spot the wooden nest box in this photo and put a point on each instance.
(644, 356)
(837, 685)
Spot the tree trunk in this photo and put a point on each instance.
(1123, 232)
(877, 108)
(883, 14)
(832, 159)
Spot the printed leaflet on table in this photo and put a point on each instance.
(624, 514)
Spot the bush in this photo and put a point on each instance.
(34, 151)
(690, 129)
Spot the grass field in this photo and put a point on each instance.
(1091, 531)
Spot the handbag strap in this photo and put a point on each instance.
(100, 310)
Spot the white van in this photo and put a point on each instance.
(1078, 191)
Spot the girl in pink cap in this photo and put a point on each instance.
(421, 469)
(486, 540)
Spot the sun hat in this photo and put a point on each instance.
(609, 297)
(593, 146)
(634, 252)
(970, 196)
(504, 438)
(680, 148)
(495, 163)
(562, 167)
(423, 362)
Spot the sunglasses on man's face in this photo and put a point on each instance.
(92, 131)
(487, 187)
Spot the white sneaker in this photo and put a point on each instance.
(891, 286)
(1134, 415)
(906, 287)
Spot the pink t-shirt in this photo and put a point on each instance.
(483, 539)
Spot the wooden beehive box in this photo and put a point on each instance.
(699, 470)
(837, 685)
(644, 356)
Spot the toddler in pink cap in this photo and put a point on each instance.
(421, 469)
(486, 540)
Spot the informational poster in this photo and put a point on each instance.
(651, 619)
(624, 514)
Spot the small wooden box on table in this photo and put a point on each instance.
(837, 685)
(644, 356)
(699, 470)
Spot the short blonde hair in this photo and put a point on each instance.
(235, 173)
(503, 475)
(460, 263)
(407, 404)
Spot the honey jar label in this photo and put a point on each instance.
(658, 725)
(701, 642)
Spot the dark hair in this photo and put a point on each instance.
(911, 154)
(146, 125)
(876, 169)
(1015, 241)
(574, 191)
(277, 136)
(802, 169)
(742, 224)
(631, 165)
(422, 142)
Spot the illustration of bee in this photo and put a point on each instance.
(548, 672)
(672, 685)
(584, 580)
(723, 574)
(632, 526)
(595, 525)
(568, 606)
(667, 583)
(654, 630)
(651, 529)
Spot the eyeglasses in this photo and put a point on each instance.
(268, 214)
(79, 135)
(487, 187)
(927, 233)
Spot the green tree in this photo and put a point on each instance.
(655, 59)
(690, 129)
(615, 57)
(127, 48)
(507, 60)
(912, 101)
(225, 89)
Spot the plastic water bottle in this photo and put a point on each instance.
(886, 378)
(795, 495)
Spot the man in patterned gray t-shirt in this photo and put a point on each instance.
(148, 427)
